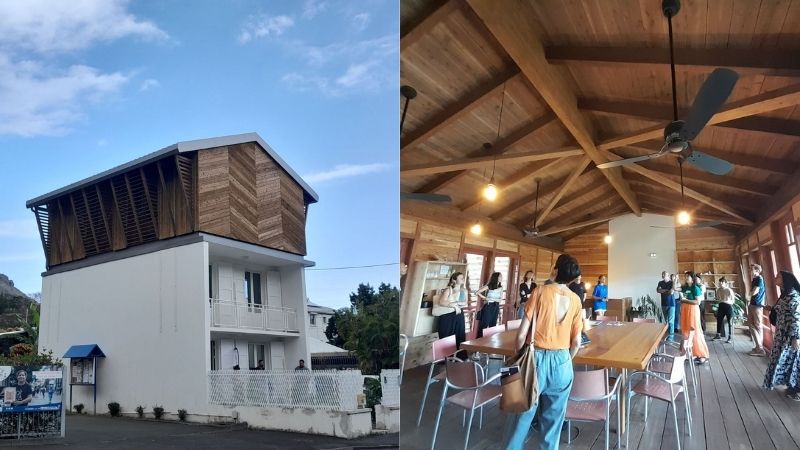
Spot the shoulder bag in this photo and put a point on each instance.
(520, 390)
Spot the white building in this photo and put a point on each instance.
(184, 261)
(318, 317)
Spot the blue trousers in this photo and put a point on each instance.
(554, 370)
(669, 314)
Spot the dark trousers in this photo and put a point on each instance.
(452, 324)
(488, 317)
(724, 314)
(703, 316)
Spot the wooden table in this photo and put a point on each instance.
(628, 346)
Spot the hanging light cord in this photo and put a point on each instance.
(499, 124)
(536, 207)
(680, 165)
(405, 110)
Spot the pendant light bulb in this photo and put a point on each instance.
(490, 192)
(684, 218)
(476, 229)
(607, 239)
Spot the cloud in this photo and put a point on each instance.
(264, 26)
(360, 21)
(344, 171)
(313, 7)
(19, 229)
(58, 26)
(359, 75)
(148, 84)
(36, 99)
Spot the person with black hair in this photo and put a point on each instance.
(600, 295)
(690, 318)
(491, 302)
(784, 361)
(525, 288)
(555, 313)
(725, 297)
(454, 296)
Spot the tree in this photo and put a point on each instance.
(364, 296)
(31, 326)
(338, 327)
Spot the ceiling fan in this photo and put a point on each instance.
(532, 231)
(713, 223)
(678, 135)
(425, 197)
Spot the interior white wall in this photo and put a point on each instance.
(631, 270)
(148, 313)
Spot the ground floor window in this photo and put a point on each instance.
(255, 354)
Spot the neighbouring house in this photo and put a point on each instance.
(179, 264)
(318, 317)
(323, 354)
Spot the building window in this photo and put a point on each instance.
(324, 319)
(213, 355)
(313, 319)
(255, 353)
(210, 282)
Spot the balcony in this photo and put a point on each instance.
(248, 316)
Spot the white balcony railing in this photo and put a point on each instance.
(248, 316)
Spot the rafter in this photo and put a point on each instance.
(499, 148)
(734, 201)
(412, 33)
(758, 104)
(568, 183)
(582, 224)
(531, 170)
(588, 210)
(484, 161)
(518, 34)
(458, 109)
(578, 202)
(652, 207)
(525, 200)
(753, 61)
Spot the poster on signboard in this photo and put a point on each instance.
(81, 371)
(31, 388)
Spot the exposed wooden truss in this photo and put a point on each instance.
(753, 61)
(517, 33)
(583, 224)
(576, 171)
(413, 32)
(485, 161)
(525, 201)
(527, 172)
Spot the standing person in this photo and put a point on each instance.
(525, 288)
(755, 311)
(302, 366)
(555, 313)
(491, 302)
(690, 318)
(784, 360)
(698, 280)
(454, 296)
(676, 299)
(579, 289)
(724, 310)
(600, 295)
(667, 302)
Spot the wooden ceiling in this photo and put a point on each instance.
(585, 82)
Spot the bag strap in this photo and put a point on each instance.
(533, 304)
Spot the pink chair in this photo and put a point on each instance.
(653, 385)
(607, 318)
(638, 320)
(685, 348)
(442, 349)
(590, 401)
(466, 377)
(513, 324)
(491, 331)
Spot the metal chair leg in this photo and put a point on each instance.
(463, 418)
(608, 427)
(569, 432)
(425, 395)
(675, 418)
(469, 428)
(619, 424)
(480, 421)
(628, 419)
(439, 417)
(646, 406)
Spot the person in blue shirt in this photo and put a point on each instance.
(755, 312)
(600, 296)
(676, 300)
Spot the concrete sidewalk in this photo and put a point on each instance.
(102, 432)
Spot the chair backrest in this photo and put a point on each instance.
(677, 372)
(463, 374)
(444, 347)
(403, 344)
(640, 320)
(589, 384)
(493, 330)
(513, 324)
(688, 343)
(607, 318)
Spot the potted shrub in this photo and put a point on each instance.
(79, 408)
(158, 412)
(114, 409)
(140, 411)
(182, 415)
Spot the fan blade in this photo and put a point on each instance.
(659, 226)
(710, 163)
(708, 101)
(425, 197)
(625, 162)
(708, 224)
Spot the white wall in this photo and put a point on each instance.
(631, 270)
(149, 314)
(317, 331)
(293, 295)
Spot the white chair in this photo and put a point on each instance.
(403, 350)
(685, 348)
(513, 324)
(467, 377)
(590, 401)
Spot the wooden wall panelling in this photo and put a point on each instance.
(268, 188)
(591, 252)
(527, 259)
(408, 227)
(242, 193)
(544, 263)
(706, 250)
(479, 241)
(167, 226)
(506, 246)
(292, 221)
(213, 191)
(437, 243)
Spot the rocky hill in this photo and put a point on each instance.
(7, 288)
(13, 304)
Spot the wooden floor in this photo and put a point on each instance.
(731, 410)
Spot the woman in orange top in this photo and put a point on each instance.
(691, 295)
(554, 312)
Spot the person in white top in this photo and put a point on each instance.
(453, 297)
(490, 295)
(725, 297)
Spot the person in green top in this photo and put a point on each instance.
(691, 294)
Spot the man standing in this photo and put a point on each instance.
(664, 288)
(755, 313)
(24, 392)
(302, 366)
(725, 297)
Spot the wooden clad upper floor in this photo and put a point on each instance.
(234, 186)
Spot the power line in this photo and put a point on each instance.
(357, 267)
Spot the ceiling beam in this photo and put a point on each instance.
(412, 32)
(579, 203)
(758, 104)
(519, 203)
(734, 201)
(583, 224)
(458, 109)
(762, 163)
(663, 112)
(568, 183)
(502, 146)
(417, 170)
(675, 186)
(752, 61)
(517, 31)
(531, 170)
(651, 207)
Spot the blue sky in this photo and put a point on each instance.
(87, 85)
